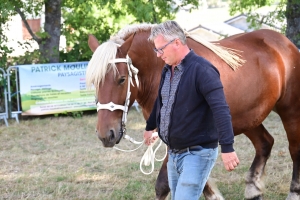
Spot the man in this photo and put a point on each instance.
(190, 114)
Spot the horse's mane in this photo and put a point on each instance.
(128, 30)
(228, 55)
(100, 63)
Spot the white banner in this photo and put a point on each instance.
(54, 88)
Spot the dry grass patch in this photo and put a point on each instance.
(62, 158)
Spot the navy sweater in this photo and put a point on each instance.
(200, 114)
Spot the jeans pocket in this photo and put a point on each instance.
(203, 152)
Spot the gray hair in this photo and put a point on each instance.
(169, 30)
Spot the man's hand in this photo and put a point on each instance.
(230, 160)
(148, 137)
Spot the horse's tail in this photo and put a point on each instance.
(230, 56)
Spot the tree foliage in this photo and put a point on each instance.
(286, 13)
(82, 17)
(103, 18)
(48, 37)
(5, 13)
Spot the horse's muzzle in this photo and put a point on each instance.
(111, 138)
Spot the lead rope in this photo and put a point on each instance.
(149, 156)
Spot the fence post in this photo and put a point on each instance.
(4, 115)
(13, 114)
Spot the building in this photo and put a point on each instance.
(19, 38)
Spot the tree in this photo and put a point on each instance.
(48, 39)
(4, 17)
(286, 10)
(101, 18)
(293, 21)
(82, 17)
(104, 18)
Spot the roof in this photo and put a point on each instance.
(232, 26)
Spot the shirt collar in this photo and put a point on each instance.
(179, 67)
(187, 56)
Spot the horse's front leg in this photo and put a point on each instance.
(162, 189)
(263, 143)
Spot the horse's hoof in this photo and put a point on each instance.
(256, 198)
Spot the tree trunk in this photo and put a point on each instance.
(293, 21)
(49, 47)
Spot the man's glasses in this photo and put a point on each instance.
(160, 50)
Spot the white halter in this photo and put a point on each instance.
(132, 71)
(149, 156)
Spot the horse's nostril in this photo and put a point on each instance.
(100, 138)
(112, 135)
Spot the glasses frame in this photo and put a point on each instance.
(160, 50)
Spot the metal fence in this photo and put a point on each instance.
(6, 94)
(3, 97)
(13, 70)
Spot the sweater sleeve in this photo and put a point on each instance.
(151, 122)
(212, 89)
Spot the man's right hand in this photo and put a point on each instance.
(148, 139)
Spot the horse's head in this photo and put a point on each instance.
(111, 72)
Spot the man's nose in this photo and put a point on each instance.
(158, 54)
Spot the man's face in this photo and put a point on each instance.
(165, 50)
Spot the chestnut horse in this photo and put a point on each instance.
(267, 81)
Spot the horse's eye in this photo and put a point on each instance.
(121, 80)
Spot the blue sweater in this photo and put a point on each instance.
(200, 114)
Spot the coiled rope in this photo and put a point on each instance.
(149, 156)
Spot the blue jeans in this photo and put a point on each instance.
(188, 172)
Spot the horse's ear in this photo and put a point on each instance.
(93, 42)
(127, 44)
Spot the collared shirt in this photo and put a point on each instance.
(168, 91)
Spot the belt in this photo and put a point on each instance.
(179, 151)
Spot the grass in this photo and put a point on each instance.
(61, 158)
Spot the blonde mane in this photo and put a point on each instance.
(228, 55)
(100, 65)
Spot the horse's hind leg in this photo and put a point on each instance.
(162, 187)
(291, 124)
(211, 191)
(263, 143)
